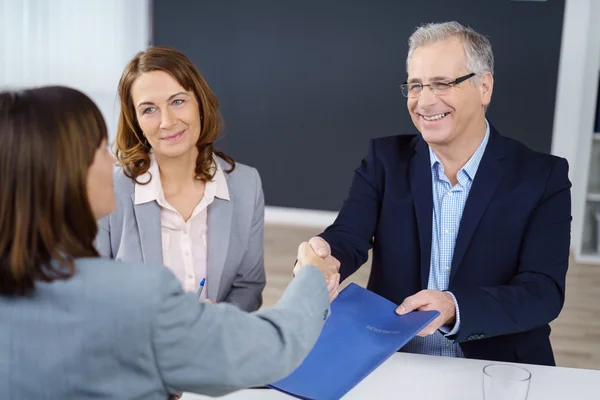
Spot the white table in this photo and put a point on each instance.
(412, 376)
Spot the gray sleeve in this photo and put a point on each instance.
(216, 349)
(247, 287)
(102, 241)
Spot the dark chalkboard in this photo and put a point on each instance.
(304, 84)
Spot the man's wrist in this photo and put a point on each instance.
(452, 327)
(451, 320)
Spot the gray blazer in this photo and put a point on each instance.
(128, 331)
(236, 270)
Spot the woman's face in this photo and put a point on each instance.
(168, 114)
(100, 183)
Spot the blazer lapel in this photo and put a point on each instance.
(420, 183)
(487, 178)
(147, 216)
(218, 231)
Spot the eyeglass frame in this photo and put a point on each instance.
(450, 84)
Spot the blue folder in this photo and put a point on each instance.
(362, 332)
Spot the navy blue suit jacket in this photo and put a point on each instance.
(512, 249)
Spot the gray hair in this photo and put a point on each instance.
(478, 49)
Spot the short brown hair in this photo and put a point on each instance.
(48, 140)
(132, 148)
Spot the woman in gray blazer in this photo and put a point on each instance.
(180, 202)
(77, 326)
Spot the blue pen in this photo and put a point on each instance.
(200, 287)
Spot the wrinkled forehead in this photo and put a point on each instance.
(437, 62)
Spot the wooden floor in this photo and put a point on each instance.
(575, 334)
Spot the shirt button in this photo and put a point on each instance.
(191, 276)
(450, 193)
(447, 269)
(446, 231)
(448, 344)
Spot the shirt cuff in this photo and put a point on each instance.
(448, 330)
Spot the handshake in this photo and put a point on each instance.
(316, 252)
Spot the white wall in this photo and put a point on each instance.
(576, 100)
(84, 44)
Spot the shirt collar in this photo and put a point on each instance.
(471, 166)
(152, 191)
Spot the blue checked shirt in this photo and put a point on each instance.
(448, 205)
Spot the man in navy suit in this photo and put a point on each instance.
(460, 219)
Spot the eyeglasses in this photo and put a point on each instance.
(414, 90)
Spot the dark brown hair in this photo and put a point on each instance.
(48, 140)
(132, 148)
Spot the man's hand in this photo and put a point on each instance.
(321, 248)
(431, 300)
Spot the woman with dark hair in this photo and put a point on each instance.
(75, 325)
(180, 202)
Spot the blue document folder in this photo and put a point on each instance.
(362, 332)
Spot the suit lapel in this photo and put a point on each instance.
(147, 217)
(420, 183)
(218, 231)
(489, 174)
